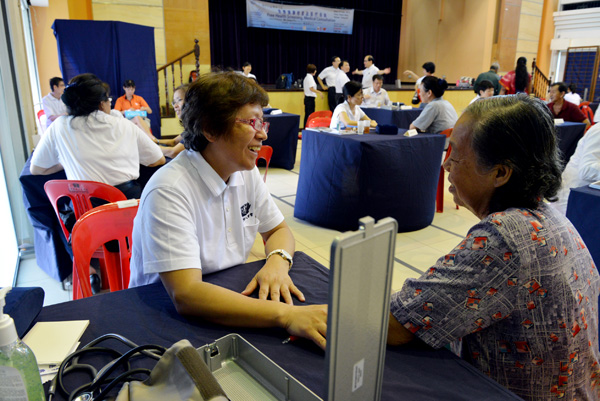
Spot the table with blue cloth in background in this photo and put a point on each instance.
(346, 177)
(283, 138)
(583, 210)
(146, 315)
(568, 135)
(399, 118)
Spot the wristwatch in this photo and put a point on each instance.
(284, 254)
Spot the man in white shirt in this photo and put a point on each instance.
(486, 89)
(369, 71)
(310, 91)
(572, 96)
(52, 104)
(376, 96)
(340, 80)
(329, 74)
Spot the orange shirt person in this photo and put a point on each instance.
(131, 101)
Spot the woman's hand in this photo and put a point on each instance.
(274, 282)
(373, 123)
(308, 322)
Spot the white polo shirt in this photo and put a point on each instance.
(99, 147)
(189, 218)
(380, 98)
(328, 75)
(345, 107)
(368, 73)
(309, 82)
(52, 107)
(340, 81)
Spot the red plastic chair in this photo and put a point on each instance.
(589, 114)
(439, 201)
(317, 114)
(111, 222)
(319, 122)
(586, 103)
(40, 114)
(265, 153)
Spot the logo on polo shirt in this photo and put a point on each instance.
(245, 209)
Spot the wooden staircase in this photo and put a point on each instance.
(540, 84)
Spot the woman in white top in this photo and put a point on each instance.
(172, 147)
(90, 144)
(246, 68)
(310, 91)
(349, 112)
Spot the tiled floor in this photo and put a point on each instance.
(415, 251)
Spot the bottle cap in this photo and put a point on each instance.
(8, 332)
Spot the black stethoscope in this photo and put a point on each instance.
(93, 390)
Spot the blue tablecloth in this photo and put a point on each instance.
(346, 177)
(399, 118)
(146, 315)
(283, 138)
(583, 210)
(568, 135)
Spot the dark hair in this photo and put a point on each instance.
(84, 94)
(351, 88)
(55, 81)
(246, 64)
(343, 62)
(521, 75)
(311, 68)
(211, 104)
(129, 84)
(495, 67)
(370, 58)
(434, 84)
(429, 67)
(562, 87)
(572, 87)
(333, 58)
(518, 132)
(485, 85)
(378, 76)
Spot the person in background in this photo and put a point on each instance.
(583, 167)
(439, 114)
(490, 76)
(563, 109)
(310, 91)
(428, 70)
(246, 69)
(572, 96)
(486, 90)
(516, 81)
(201, 213)
(349, 112)
(340, 80)
(519, 294)
(131, 101)
(369, 71)
(329, 74)
(172, 147)
(376, 96)
(92, 145)
(52, 105)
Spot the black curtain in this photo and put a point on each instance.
(376, 31)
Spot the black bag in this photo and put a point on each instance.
(281, 82)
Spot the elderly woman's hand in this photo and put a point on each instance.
(274, 282)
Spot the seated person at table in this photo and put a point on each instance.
(439, 114)
(486, 90)
(583, 167)
(572, 96)
(521, 289)
(131, 101)
(92, 145)
(246, 68)
(172, 147)
(560, 108)
(201, 212)
(51, 103)
(349, 112)
(376, 96)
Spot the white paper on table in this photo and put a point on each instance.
(51, 342)
(558, 121)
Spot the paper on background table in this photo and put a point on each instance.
(51, 342)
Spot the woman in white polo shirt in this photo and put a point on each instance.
(201, 212)
(349, 112)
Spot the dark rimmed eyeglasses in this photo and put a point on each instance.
(255, 123)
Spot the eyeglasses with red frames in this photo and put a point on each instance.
(255, 123)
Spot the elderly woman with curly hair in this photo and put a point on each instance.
(521, 289)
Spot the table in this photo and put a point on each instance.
(399, 118)
(147, 315)
(583, 209)
(52, 253)
(346, 177)
(568, 134)
(283, 138)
